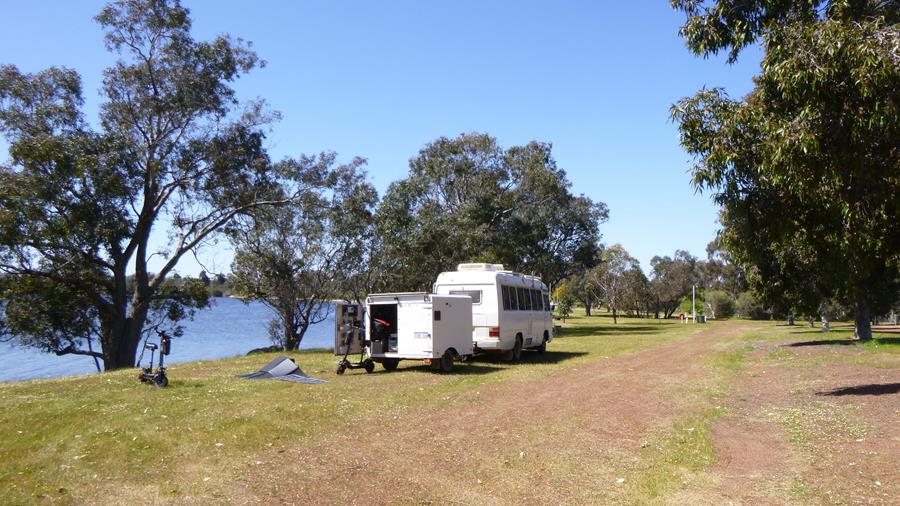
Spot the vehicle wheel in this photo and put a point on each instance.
(447, 361)
(390, 364)
(341, 368)
(160, 381)
(369, 366)
(543, 347)
(516, 353)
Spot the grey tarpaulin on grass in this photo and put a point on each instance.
(282, 368)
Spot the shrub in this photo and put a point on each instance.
(718, 304)
(749, 306)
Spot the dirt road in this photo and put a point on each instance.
(608, 432)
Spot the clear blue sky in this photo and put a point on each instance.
(381, 79)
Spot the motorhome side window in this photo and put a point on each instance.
(546, 302)
(507, 302)
(524, 303)
(535, 300)
(475, 295)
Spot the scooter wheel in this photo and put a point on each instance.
(161, 381)
(341, 368)
(369, 366)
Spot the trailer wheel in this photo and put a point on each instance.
(516, 353)
(369, 366)
(390, 364)
(447, 361)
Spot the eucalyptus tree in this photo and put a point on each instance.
(297, 257)
(467, 199)
(609, 280)
(173, 153)
(671, 280)
(805, 166)
(636, 294)
(446, 211)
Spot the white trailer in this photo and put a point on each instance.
(436, 329)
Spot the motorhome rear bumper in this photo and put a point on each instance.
(488, 344)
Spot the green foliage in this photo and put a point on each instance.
(468, 200)
(749, 306)
(735, 24)
(295, 258)
(806, 166)
(719, 272)
(636, 296)
(671, 281)
(565, 300)
(77, 205)
(609, 279)
(718, 304)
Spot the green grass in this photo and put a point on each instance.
(71, 439)
(678, 457)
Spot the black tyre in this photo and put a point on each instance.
(447, 361)
(516, 353)
(160, 381)
(341, 368)
(390, 364)
(369, 366)
(543, 347)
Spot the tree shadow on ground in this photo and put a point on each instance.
(591, 330)
(489, 363)
(846, 342)
(532, 357)
(874, 389)
(467, 368)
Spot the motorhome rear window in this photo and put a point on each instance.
(475, 295)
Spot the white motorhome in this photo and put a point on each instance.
(510, 311)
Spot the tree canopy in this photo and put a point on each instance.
(671, 280)
(297, 257)
(467, 199)
(174, 150)
(612, 279)
(807, 166)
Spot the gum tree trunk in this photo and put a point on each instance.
(863, 329)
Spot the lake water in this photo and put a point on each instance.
(227, 329)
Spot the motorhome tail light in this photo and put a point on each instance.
(494, 332)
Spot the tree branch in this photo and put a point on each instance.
(72, 350)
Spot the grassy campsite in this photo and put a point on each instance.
(503, 253)
(642, 411)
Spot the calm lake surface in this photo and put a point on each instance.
(227, 329)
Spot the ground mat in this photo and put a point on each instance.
(282, 368)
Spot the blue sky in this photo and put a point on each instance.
(381, 79)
